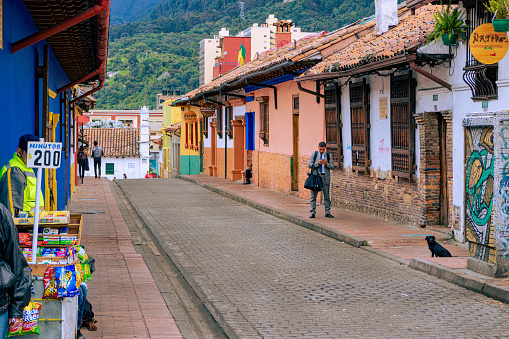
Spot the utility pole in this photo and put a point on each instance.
(241, 5)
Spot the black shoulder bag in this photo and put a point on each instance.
(313, 181)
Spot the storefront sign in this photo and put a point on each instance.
(382, 104)
(488, 46)
(190, 117)
(44, 154)
(207, 110)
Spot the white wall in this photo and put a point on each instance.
(132, 167)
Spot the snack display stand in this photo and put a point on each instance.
(57, 231)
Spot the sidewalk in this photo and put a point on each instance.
(397, 242)
(124, 296)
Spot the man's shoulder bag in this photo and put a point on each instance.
(313, 181)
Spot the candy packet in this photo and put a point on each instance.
(31, 318)
(66, 281)
(50, 284)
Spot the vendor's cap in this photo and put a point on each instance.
(25, 139)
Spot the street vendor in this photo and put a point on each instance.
(18, 182)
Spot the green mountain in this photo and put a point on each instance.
(161, 51)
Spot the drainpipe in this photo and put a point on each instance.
(305, 90)
(428, 75)
(88, 93)
(88, 76)
(41, 35)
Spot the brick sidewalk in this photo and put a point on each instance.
(124, 296)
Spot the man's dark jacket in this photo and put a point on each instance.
(18, 296)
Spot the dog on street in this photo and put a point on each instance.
(436, 249)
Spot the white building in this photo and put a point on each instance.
(209, 50)
(126, 150)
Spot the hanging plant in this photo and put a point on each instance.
(448, 25)
(500, 11)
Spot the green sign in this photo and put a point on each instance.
(110, 168)
(435, 97)
(485, 104)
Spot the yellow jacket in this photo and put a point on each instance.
(18, 186)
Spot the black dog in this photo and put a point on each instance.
(436, 249)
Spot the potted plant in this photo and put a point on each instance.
(500, 10)
(449, 23)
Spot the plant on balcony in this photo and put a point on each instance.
(449, 23)
(500, 10)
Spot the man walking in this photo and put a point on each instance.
(321, 162)
(97, 153)
(18, 182)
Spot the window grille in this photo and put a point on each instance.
(219, 118)
(228, 113)
(481, 78)
(359, 111)
(333, 124)
(402, 125)
(264, 119)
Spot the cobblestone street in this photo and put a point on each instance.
(268, 277)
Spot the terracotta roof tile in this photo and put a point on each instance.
(115, 142)
(295, 52)
(410, 33)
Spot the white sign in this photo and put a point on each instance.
(44, 154)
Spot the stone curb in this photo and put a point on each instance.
(217, 308)
(500, 293)
(478, 285)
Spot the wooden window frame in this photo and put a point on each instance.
(228, 117)
(205, 126)
(264, 119)
(403, 141)
(295, 110)
(360, 150)
(334, 148)
(219, 120)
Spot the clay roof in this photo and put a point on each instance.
(79, 48)
(399, 41)
(293, 57)
(115, 142)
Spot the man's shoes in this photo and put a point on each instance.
(329, 216)
(311, 216)
(96, 176)
(79, 335)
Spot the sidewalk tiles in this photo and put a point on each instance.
(124, 296)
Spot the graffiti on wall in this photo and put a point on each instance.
(479, 183)
(502, 231)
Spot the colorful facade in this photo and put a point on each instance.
(37, 76)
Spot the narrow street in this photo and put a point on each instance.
(260, 276)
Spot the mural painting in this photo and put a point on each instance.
(479, 192)
(502, 230)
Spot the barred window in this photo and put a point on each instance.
(219, 118)
(359, 112)
(402, 125)
(481, 78)
(264, 119)
(333, 124)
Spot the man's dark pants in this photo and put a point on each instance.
(97, 164)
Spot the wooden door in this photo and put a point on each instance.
(444, 193)
(295, 164)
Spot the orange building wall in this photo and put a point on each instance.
(220, 162)
(207, 159)
(272, 171)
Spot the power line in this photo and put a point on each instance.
(241, 5)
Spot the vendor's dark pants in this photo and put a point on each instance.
(82, 297)
(97, 164)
